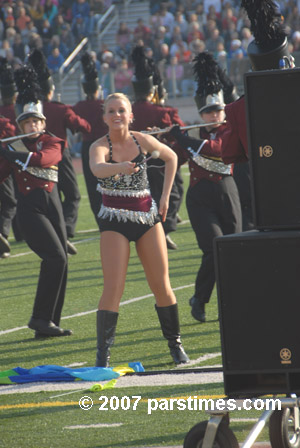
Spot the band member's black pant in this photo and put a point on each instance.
(214, 210)
(8, 205)
(67, 184)
(156, 180)
(41, 217)
(91, 182)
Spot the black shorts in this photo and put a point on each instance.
(133, 231)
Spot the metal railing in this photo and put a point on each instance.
(108, 19)
(61, 78)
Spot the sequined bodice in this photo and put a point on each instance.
(124, 182)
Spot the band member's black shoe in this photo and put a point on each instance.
(170, 243)
(39, 335)
(4, 244)
(71, 249)
(45, 326)
(198, 309)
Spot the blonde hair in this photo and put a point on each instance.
(117, 96)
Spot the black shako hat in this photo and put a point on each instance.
(28, 102)
(270, 41)
(38, 61)
(142, 80)
(89, 80)
(209, 92)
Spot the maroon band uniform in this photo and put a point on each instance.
(92, 111)
(40, 212)
(61, 117)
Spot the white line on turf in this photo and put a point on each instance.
(97, 425)
(84, 313)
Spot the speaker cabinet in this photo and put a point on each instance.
(272, 110)
(258, 283)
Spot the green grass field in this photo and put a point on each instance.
(41, 422)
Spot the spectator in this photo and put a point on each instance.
(106, 80)
(194, 32)
(174, 75)
(123, 39)
(143, 32)
(55, 60)
(180, 49)
(81, 8)
(50, 11)
(188, 84)
(22, 19)
(36, 12)
(216, 3)
(214, 40)
(181, 21)
(246, 38)
(46, 34)
(20, 50)
(78, 28)
(296, 41)
(10, 35)
(9, 19)
(197, 46)
(166, 18)
(30, 28)
(55, 42)
(123, 77)
(163, 58)
(67, 37)
(6, 51)
(228, 17)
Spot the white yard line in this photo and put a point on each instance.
(84, 313)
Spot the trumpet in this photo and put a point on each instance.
(183, 128)
(18, 137)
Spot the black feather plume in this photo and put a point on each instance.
(38, 61)
(27, 85)
(142, 64)
(266, 23)
(227, 84)
(88, 67)
(206, 74)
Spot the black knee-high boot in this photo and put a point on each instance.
(169, 322)
(106, 328)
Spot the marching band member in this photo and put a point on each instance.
(129, 213)
(269, 46)
(91, 109)
(61, 117)
(33, 160)
(149, 113)
(212, 199)
(8, 199)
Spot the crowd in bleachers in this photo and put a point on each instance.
(176, 32)
(54, 26)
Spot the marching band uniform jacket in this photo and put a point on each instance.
(92, 112)
(39, 212)
(61, 117)
(235, 150)
(235, 147)
(212, 201)
(146, 115)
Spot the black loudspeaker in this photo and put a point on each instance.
(258, 284)
(272, 110)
